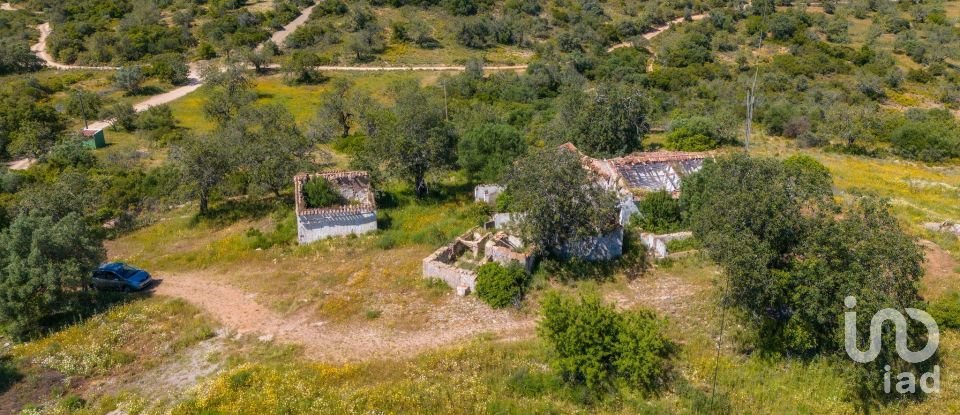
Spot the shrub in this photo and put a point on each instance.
(694, 134)
(487, 151)
(596, 346)
(925, 141)
(659, 212)
(128, 78)
(500, 286)
(319, 193)
(946, 310)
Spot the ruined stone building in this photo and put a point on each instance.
(456, 263)
(355, 215)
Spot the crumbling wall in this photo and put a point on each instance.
(440, 265)
(596, 248)
(657, 244)
(487, 193)
(506, 255)
(315, 227)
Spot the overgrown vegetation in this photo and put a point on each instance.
(501, 286)
(599, 347)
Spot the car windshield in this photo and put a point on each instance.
(127, 271)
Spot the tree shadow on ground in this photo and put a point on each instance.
(438, 193)
(234, 210)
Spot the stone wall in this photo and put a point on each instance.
(597, 248)
(439, 265)
(499, 250)
(657, 244)
(315, 227)
(487, 193)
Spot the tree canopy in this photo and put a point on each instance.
(557, 201)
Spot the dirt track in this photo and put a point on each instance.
(657, 31)
(456, 319)
(280, 36)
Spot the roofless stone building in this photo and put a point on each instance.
(356, 214)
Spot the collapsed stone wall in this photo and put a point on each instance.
(440, 265)
(500, 250)
(657, 244)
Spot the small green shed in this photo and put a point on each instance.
(94, 138)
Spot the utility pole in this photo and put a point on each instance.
(749, 122)
(446, 116)
(752, 94)
(83, 108)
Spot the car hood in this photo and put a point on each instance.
(139, 277)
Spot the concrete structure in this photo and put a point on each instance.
(643, 172)
(636, 174)
(487, 193)
(596, 248)
(657, 244)
(357, 215)
(456, 262)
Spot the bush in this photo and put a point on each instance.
(659, 213)
(156, 118)
(487, 151)
(500, 286)
(946, 310)
(596, 346)
(694, 134)
(925, 141)
(319, 193)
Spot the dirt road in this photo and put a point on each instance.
(657, 31)
(454, 320)
(279, 37)
(40, 49)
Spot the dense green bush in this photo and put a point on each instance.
(659, 213)
(695, 134)
(501, 286)
(486, 151)
(318, 193)
(946, 310)
(597, 346)
(925, 141)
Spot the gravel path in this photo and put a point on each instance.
(657, 31)
(279, 37)
(40, 49)
(454, 320)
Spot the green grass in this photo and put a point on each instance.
(301, 100)
(338, 278)
(138, 333)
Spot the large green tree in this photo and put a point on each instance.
(486, 152)
(557, 200)
(610, 120)
(44, 264)
(204, 163)
(413, 138)
(267, 146)
(791, 254)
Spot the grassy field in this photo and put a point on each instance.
(300, 100)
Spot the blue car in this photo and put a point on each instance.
(120, 276)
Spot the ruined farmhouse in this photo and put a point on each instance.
(456, 262)
(354, 213)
